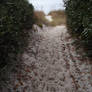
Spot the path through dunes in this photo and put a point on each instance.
(49, 18)
(51, 64)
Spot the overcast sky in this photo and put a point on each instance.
(47, 5)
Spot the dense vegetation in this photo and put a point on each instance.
(79, 21)
(58, 16)
(15, 17)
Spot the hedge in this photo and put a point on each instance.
(79, 21)
(16, 17)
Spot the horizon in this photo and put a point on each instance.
(46, 5)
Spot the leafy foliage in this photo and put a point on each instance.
(15, 17)
(79, 20)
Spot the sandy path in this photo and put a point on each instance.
(51, 64)
(49, 18)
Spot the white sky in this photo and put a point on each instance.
(47, 5)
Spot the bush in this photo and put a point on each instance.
(79, 20)
(15, 17)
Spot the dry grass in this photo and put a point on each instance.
(59, 17)
(40, 18)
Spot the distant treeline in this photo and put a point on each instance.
(15, 17)
(79, 21)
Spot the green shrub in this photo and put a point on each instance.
(79, 20)
(15, 17)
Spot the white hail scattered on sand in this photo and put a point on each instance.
(51, 63)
